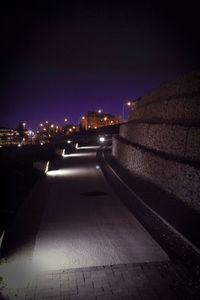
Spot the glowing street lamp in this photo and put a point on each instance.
(65, 120)
(31, 134)
(41, 124)
(125, 104)
(99, 111)
(52, 126)
(102, 139)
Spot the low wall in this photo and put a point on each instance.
(161, 141)
(41, 166)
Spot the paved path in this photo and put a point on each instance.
(85, 224)
(87, 245)
(138, 281)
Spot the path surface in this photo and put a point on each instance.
(79, 241)
(81, 228)
(83, 223)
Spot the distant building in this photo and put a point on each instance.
(70, 128)
(9, 136)
(93, 120)
(133, 104)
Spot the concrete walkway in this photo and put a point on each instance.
(86, 243)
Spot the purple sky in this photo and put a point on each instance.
(62, 60)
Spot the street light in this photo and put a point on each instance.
(125, 104)
(99, 111)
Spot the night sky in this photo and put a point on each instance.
(63, 58)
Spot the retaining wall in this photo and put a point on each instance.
(161, 141)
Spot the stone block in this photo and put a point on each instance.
(178, 178)
(184, 85)
(193, 144)
(183, 110)
(186, 109)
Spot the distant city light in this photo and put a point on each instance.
(24, 124)
(111, 122)
(41, 143)
(129, 103)
(47, 122)
(19, 145)
(41, 124)
(102, 139)
(1, 146)
(105, 118)
(99, 111)
(44, 129)
(65, 120)
(83, 117)
(95, 127)
(97, 167)
(69, 142)
(57, 127)
(74, 127)
(70, 129)
(52, 126)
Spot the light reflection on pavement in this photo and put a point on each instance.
(78, 231)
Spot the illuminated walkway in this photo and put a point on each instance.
(74, 239)
(85, 224)
(73, 219)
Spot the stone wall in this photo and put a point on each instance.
(161, 141)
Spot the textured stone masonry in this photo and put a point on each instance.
(181, 91)
(181, 109)
(177, 178)
(181, 141)
(161, 141)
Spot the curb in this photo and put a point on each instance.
(179, 248)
